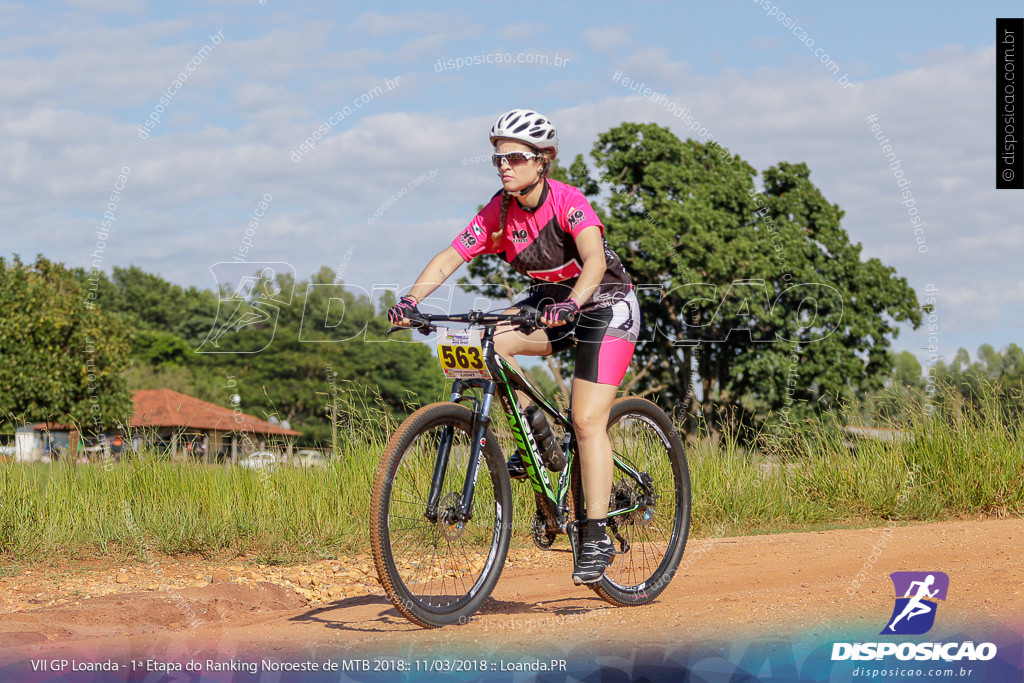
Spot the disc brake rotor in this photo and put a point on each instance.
(446, 523)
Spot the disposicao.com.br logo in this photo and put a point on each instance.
(914, 613)
(916, 596)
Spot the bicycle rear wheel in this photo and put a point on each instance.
(644, 439)
(440, 572)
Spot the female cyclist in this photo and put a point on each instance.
(548, 231)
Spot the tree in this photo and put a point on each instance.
(168, 322)
(63, 356)
(758, 298)
(904, 387)
(1012, 370)
(1000, 373)
(671, 214)
(288, 356)
(152, 303)
(326, 344)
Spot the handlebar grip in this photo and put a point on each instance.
(528, 315)
(421, 325)
(536, 314)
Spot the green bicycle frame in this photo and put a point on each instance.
(511, 380)
(503, 375)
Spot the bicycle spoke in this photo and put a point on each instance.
(645, 484)
(439, 564)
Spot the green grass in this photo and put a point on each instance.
(962, 459)
(965, 459)
(141, 507)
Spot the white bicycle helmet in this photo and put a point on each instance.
(526, 126)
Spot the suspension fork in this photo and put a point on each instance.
(481, 421)
(444, 449)
(480, 426)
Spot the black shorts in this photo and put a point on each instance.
(605, 338)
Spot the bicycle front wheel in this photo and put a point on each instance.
(439, 572)
(651, 480)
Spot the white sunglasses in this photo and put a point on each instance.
(514, 158)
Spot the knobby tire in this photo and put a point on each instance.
(435, 573)
(643, 435)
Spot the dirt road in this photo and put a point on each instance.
(788, 586)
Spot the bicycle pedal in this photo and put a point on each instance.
(517, 475)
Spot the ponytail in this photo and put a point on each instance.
(506, 199)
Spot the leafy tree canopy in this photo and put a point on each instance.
(757, 298)
(288, 356)
(63, 357)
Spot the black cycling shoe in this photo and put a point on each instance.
(516, 466)
(594, 558)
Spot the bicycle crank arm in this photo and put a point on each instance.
(623, 543)
(573, 530)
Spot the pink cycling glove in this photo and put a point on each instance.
(405, 308)
(563, 311)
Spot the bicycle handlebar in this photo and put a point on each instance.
(527, 316)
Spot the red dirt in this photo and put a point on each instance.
(783, 585)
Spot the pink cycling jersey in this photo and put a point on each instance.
(541, 243)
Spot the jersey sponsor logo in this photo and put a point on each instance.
(520, 235)
(575, 216)
(467, 238)
(563, 272)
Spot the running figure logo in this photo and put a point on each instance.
(256, 300)
(914, 612)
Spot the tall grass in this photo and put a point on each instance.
(964, 458)
(147, 506)
(945, 460)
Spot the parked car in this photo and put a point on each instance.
(309, 458)
(261, 460)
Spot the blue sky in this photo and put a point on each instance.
(78, 79)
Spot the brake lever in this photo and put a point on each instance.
(530, 317)
(424, 327)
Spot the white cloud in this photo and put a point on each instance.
(68, 121)
(379, 25)
(521, 33)
(655, 68)
(608, 39)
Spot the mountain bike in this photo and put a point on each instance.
(441, 509)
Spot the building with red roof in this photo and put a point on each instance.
(189, 423)
(184, 425)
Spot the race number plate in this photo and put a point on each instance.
(461, 354)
